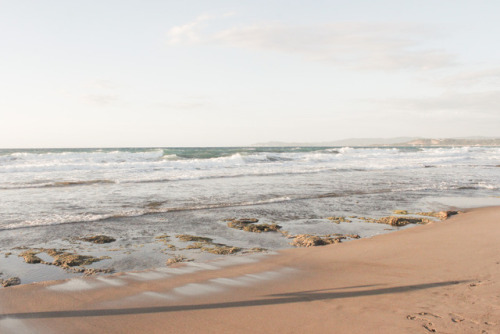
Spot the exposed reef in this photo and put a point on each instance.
(10, 281)
(65, 260)
(250, 225)
(99, 239)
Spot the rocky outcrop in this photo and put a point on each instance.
(10, 281)
(338, 220)
(401, 221)
(308, 240)
(30, 256)
(440, 215)
(188, 237)
(177, 259)
(60, 258)
(220, 249)
(249, 225)
(207, 245)
(99, 239)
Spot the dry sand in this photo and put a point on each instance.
(443, 277)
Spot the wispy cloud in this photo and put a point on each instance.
(185, 103)
(100, 99)
(187, 33)
(481, 104)
(355, 45)
(490, 76)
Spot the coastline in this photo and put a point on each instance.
(443, 276)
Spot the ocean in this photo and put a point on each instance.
(48, 197)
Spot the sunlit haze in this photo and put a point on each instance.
(228, 73)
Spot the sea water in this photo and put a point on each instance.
(133, 194)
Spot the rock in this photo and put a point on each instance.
(441, 214)
(65, 259)
(196, 245)
(99, 239)
(308, 240)
(177, 259)
(250, 226)
(220, 249)
(338, 220)
(30, 256)
(10, 282)
(400, 212)
(401, 221)
(244, 220)
(187, 237)
(256, 250)
(94, 271)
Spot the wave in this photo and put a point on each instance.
(156, 207)
(149, 208)
(57, 184)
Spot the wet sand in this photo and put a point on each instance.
(443, 277)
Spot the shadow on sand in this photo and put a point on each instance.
(296, 297)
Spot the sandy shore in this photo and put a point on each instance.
(443, 277)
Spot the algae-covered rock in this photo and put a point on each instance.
(243, 220)
(99, 239)
(308, 240)
(401, 221)
(10, 281)
(255, 250)
(30, 256)
(94, 271)
(177, 259)
(338, 220)
(251, 226)
(440, 215)
(187, 237)
(72, 260)
(220, 249)
(400, 212)
(196, 245)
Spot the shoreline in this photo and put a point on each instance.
(42, 261)
(442, 276)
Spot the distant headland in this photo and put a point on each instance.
(399, 141)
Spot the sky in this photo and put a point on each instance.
(141, 73)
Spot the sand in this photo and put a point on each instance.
(443, 277)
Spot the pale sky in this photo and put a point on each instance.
(111, 73)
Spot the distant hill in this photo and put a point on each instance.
(453, 142)
(399, 141)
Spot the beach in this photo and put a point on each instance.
(442, 277)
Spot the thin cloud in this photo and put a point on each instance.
(489, 76)
(355, 45)
(100, 99)
(186, 33)
(483, 104)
